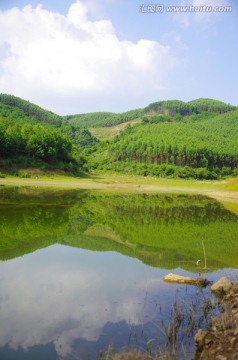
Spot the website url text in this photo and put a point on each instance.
(159, 8)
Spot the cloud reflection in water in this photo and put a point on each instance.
(66, 296)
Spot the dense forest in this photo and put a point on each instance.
(197, 139)
(202, 143)
(202, 149)
(32, 136)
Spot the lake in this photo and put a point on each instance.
(81, 273)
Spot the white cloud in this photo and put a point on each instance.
(211, 3)
(175, 39)
(207, 15)
(53, 59)
(201, 12)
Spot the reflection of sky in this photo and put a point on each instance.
(68, 293)
(60, 294)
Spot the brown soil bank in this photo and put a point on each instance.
(220, 340)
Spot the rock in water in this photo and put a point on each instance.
(222, 285)
(179, 279)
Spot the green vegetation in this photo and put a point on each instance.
(172, 107)
(33, 137)
(111, 131)
(14, 108)
(104, 119)
(160, 230)
(170, 139)
(168, 108)
(36, 141)
(197, 139)
(201, 149)
(34, 145)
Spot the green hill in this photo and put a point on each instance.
(172, 107)
(103, 119)
(202, 148)
(168, 138)
(20, 110)
(168, 107)
(33, 137)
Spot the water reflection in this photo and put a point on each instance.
(68, 296)
(161, 230)
(68, 302)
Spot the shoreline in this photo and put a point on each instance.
(220, 340)
(221, 191)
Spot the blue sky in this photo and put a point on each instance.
(76, 56)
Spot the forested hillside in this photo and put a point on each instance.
(104, 119)
(197, 139)
(175, 109)
(198, 146)
(17, 109)
(35, 141)
(172, 107)
(32, 136)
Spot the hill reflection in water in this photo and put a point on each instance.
(160, 230)
(92, 274)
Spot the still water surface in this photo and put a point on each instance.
(81, 272)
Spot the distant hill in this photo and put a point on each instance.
(168, 107)
(21, 110)
(172, 107)
(24, 111)
(104, 119)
